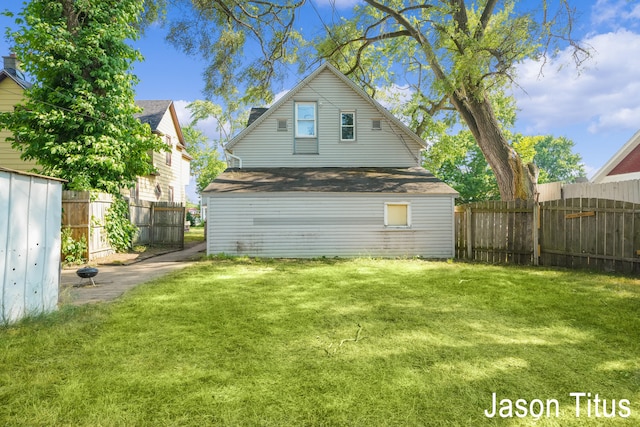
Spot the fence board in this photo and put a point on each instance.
(574, 233)
(86, 214)
(495, 232)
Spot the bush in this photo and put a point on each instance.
(120, 230)
(73, 250)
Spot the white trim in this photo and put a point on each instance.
(601, 175)
(386, 219)
(315, 118)
(620, 177)
(340, 125)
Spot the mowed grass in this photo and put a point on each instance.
(194, 235)
(363, 342)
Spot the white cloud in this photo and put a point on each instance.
(209, 127)
(603, 95)
(615, 13)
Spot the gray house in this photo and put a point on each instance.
(328, 171)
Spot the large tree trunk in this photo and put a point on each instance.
(515, 179)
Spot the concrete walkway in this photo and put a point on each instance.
(114, 280)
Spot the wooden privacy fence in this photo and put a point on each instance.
(159, 223)
(627, 191)
(575, 233)
(496, 232)
(84, 214)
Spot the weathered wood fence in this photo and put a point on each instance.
(159, 223)
(627, 191)
(597, 234)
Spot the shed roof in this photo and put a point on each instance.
(31, 174)
(414, 180)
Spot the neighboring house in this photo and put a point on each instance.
(327, 171)
(169, 182)
(623, 166)
(12, 87)
(172, 167)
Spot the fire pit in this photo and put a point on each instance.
(87, 273)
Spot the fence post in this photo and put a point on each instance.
(152, 224)
(536, 233)
(467, 218)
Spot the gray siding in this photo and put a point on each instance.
(266, 146)
(312, 225)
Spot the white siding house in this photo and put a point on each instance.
(327, 171)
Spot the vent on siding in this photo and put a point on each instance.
(282, 125)
(376, 124)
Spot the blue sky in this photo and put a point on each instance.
(598, 106)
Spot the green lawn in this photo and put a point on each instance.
(363, 342)
(194, 235)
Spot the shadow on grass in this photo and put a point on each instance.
(266, 342)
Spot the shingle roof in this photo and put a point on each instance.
(414, 180)
(255, 113)
(153, 111)
(12, 74)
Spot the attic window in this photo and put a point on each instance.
(282, 125)
(376, 124)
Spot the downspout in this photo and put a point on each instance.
(229, 155)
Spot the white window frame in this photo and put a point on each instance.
(386, 215)
(353, 113)
(315, 119)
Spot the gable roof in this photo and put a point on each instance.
(414, 180)
(625, 160)
(154, 110)
(13, 75)
(289, 95)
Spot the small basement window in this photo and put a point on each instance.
(397, 214)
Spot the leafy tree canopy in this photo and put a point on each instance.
(77, 121)
(452, 53)
(457, 160)
(206, 164)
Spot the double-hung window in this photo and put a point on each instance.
(347, 126)
(306, 128)
(306, 120)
